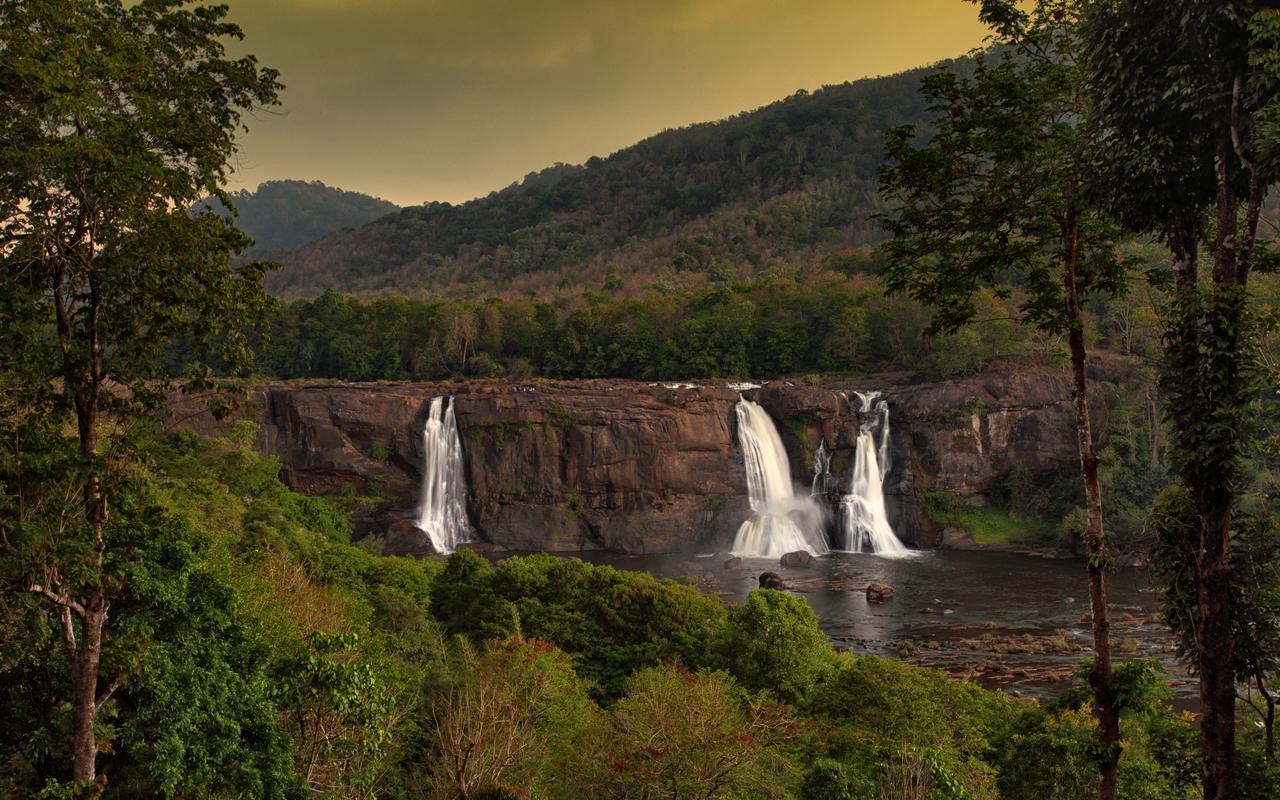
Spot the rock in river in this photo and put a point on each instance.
(771, 580)
(878, 592)
(798, 558)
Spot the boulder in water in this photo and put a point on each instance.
(798, 558)
(878, 592)
(732, 563)
(771, 580)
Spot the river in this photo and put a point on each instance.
(1010, 621)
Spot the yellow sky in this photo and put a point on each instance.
(419, 100)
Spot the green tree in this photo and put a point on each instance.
(677, 734)
(999, 198)
(773, 642)
(1255, 594)
(114, 119)
(516, 713)
(1186, 103)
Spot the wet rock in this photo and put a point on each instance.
(798, 558)
(733, 563)
(771, 580)
(1133, 560)
(878, 592)
(403, 536)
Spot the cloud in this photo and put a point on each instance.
(547, 53)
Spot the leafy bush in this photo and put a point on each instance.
(613, 622)
(772, 642)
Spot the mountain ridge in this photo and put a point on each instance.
(282, 215)
(764, 190)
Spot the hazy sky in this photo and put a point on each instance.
(418, 100)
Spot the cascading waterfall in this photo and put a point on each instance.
(865, 521)
(780, 521)
(442, 513)
(821, 471)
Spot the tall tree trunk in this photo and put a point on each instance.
(86, 655)
(1101, 680)
(1214, 505)
(1217, 646)
(84, 695)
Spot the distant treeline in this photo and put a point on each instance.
(763, 328)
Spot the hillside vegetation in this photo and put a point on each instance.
(276, 658)
(792, 181)
(282, 215)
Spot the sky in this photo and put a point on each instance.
(422, 100)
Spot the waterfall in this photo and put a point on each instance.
(865, 521)
(821, 471)
(442, 513)
(780, 521)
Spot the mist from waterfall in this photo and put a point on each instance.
(781, 522)
(442, 511)
(864, 520)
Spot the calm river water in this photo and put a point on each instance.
(1010, 621)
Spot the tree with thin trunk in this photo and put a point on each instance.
(1187, 99)
(114, 119)
(1000, 198)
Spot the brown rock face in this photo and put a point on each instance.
(627, 467)
(622, 466)
(644, 468)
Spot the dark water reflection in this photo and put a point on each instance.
(1010, 621)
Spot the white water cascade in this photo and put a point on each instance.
(865, 521)
(781, 522)
(442, 513)
(821, 471)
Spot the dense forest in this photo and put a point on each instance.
(270, 656)
(283, 215)
(788, 182)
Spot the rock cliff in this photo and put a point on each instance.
(645, 468)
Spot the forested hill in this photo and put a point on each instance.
(765, 190)
(282, 215)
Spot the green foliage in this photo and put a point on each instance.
(986, 525)
(1255, 585)
(515, 719)
(613, 622)
(888, 720)
(1159, 759)
(997, 200)
(679, 734)
(339, 712)
(193, 712)
(772, 642)
(1211, 385)
(829, 779)
(770, 326)
(114, 118)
